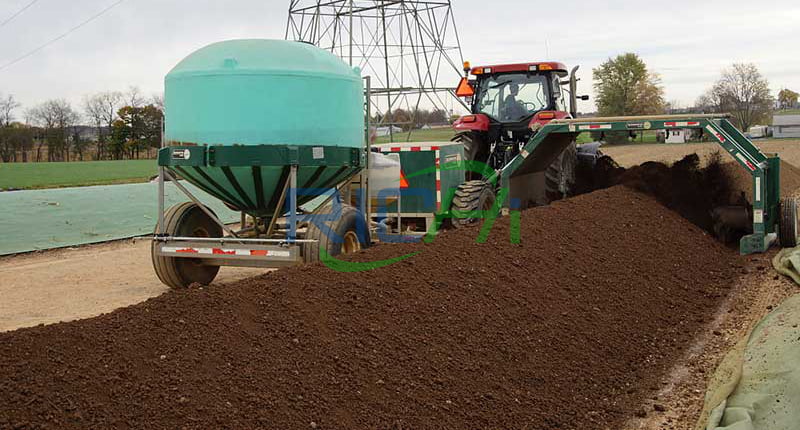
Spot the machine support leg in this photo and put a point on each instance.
(160, 225)
(292, 236)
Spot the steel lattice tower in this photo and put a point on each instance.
(410, 49)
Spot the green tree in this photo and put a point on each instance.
(624, 86)
(787, 98)
(137, 129)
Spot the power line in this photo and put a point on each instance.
(18, 13)
(52, 41)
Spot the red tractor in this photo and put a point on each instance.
(508, 103)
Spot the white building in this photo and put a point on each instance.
(786, 126)
(384, 131)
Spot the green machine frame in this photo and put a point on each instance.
(552, 138)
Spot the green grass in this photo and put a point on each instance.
(445, 133)
(432, 135)
(75, 174)
(788, 112)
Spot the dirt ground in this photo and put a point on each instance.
(68, 284)
(630, 155)
(72, 283)
(595, 304)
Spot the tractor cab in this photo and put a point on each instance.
(506, 103)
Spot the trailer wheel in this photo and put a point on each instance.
(788, 222)
(185, 220)
(351, 234)
(472, 196)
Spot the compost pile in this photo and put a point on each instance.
(687, 186)
(570, 329)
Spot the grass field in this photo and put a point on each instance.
(75, 174)
(430, 135)
(445, 133)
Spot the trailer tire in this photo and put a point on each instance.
(559, 177)
(351, 234)
(186, 220)
(471, 196)
(788, 222)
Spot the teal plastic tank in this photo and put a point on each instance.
(239, 114)
(257, 91)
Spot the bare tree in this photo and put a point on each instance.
(7, 106)
(157, 100)
(57, 118)
(134, 97)
(743, 92)
(101, 109)
(8, 146)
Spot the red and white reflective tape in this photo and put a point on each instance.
(409, 148)
(437, 160)
(681, 123)
(595, 127)
(746, 162)
(714, 133)
(225, 251)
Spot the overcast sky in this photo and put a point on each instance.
(138, 41)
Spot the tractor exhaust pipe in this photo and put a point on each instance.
(573, 92)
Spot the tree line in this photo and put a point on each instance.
(410, 119)
(111, 125)
(624, 86)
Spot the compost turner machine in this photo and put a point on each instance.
(773, 218)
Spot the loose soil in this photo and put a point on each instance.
(573, 328)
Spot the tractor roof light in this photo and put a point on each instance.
(545, 67)
(467, 66)
(487, 70)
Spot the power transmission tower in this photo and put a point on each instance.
(410, 49)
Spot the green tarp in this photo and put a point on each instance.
(768, 390)
(54, 218)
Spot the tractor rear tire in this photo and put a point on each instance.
(476, 195)
(351, 234)
(559, 177)
(474, 150)
(185, 220)
(788, 222)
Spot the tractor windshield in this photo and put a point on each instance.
(511, 97)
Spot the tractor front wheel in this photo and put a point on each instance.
(471, 196)
(185, 220)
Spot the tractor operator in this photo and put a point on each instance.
(512, 108)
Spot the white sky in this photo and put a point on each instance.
(137, 42)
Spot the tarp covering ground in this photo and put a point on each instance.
(53, 218)
(768, 389)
